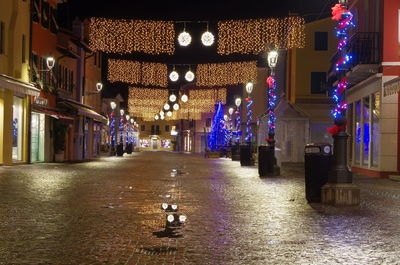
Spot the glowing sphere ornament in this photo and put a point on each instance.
(176, 106)
(162, 117)
(184, 98)
(174, 76)
(207, 38)
(172, 98)
(189, 76)
(184, 38)
(166, 106)
(156, 117)
(238, 101)
(161, 113)
(169, 113)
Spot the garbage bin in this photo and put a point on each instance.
(318, 160)
(235, 152)
(246, 156)
(120, 149)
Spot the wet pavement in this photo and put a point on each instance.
(108, 212)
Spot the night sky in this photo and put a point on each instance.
(194, 11)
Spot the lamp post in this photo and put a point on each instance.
(340, 189)
(235, 148)
(249, 134)
(267, 163)
(112, 126)
(230, 111)
(127, 132)
(120, 147)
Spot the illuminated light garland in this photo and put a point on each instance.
(238, 121)
(128, 36)
(345, 21)
(134, 72)
(112, 127)
(250, 36)
(221, 74)
(249, 134)
(272, 98)
(146, 102)
(121, 129)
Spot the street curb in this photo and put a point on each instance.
(394, 178)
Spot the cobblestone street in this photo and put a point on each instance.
(108, 212)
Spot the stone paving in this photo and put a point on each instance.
(108, 212)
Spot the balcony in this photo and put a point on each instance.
(366, 50)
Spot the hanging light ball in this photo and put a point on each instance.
(169, 113)
(184, 98)
(172, 98)
(176, 106)
(207, 38)
(166, 106)
(161, 113)
(189, 76)
(230, 111)
(162, 117)
(156, 117)
(174, 76)
(184, 38)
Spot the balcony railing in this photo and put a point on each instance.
(365, 47)
(366, 51)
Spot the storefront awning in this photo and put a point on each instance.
(7, 82)
(83, 110)
(391, 87)
(51, 112)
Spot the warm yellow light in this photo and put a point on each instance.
(207, 38)
(184, 38)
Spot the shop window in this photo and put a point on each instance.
(366, 130)
(318, 80)
(350, 112)
(153, 130)
(17, 128)
(45, 14)
(165, 144)
(375, 132)
(357, 128)
(37, 137)
(321, 41)
(2, 36)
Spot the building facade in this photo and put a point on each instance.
(15, 89)
(372, 95)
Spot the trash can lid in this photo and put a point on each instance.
(313, 148)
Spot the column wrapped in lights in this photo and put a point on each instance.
(340, 172)
(238, 101)
(121, 127)
(267, 162)
(249, 134)
(112, 127)
(230, 111)
(127, 125)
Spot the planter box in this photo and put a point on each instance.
(213, 155)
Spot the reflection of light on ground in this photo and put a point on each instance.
(47, 185)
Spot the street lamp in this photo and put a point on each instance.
(112, 127)
(249, 134)
(267, 163)
(120, 147)
(50, 62)
(99, 86)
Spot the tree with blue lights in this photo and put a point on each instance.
(217, 136)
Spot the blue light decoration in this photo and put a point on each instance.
(238, 121)
(112, 127)
(127, 132)
(249, 134)
(272, 98)
(121, 130)
(345, 21)
(217, 136)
